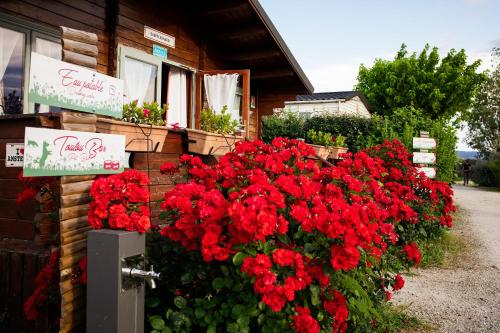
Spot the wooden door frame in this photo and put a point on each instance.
(245, 103)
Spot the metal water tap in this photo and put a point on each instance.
(149, 276)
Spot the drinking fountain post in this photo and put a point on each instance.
(115, 292)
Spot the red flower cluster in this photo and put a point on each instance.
(79, 275)
(35, 185)
(313, 222)
(413, 253)
(120, 202)
(46, 282)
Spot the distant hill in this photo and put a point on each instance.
(464, 154)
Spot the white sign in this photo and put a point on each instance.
(14, 155)
(424, 158)
(50, 152)
(159, 37)
(69, 86)
(424, 143)
(429, 172)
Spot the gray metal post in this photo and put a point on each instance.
(111, 308)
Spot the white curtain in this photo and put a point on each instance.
(138, 76)
(8, 41)
(50, 49)
(177, 97)
(221, 90)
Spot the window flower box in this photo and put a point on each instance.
(135, 134)
(336, 151)
(321, 151)
(207, 143)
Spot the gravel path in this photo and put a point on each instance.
(466, 296)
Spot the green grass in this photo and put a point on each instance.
(397, 320)
(447, 251)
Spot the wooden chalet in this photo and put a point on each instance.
(194, 38)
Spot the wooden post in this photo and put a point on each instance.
(79, 48)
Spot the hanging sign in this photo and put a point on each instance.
(159, 37)
(428, 171)
(69, 86)
(424, 143)
(14, 155)
(160, 51)
(424, 158)
(50, 152)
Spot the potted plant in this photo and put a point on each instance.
(217, 134)
(339, 147)
(321, 142)
(137, 124)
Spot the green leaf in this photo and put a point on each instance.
(157, 323)
(180, 302)
(212, 328)
(152, 302)
(315, 290)
(218, 283)
(199, 313)
(224, 270)
(238, 258)
(166, 330)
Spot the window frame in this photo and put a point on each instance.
(141, 55)
(31, 31)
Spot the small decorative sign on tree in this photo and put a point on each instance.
(50, 152)
(69, 86)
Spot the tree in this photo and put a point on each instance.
(484, 119)
(441, 89)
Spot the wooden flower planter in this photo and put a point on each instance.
(206, 143)
(336, 151)
(135, 138)
(321, 151)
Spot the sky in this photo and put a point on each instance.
(331, 38)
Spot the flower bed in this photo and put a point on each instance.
(266, 241)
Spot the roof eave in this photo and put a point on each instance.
(282, 45)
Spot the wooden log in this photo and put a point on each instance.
(79, 59)
(73, 259)
(67, 286)
(75, 199)
(66, 274)
(76, 179)
(72, 294)
(72, 320)
(73, 212)
(73, 188)
(79, 35)
(78, 127)
(76, 235)
(80, 47)
(74, 224)
(69, 249)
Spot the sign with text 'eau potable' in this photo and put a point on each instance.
(58, 83)
(51, 152)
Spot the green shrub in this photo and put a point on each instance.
(320, 138)
(355, 129)
(218, 123)
(487, 172)
(286, 124)
(406, 123)
(148, 113)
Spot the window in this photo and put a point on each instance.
(148, 78)
(141, 73)
(18, 38)
(11, 71)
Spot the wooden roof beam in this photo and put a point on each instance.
(239, 33)
(222, 9)
(253, 55)
(271, 74)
